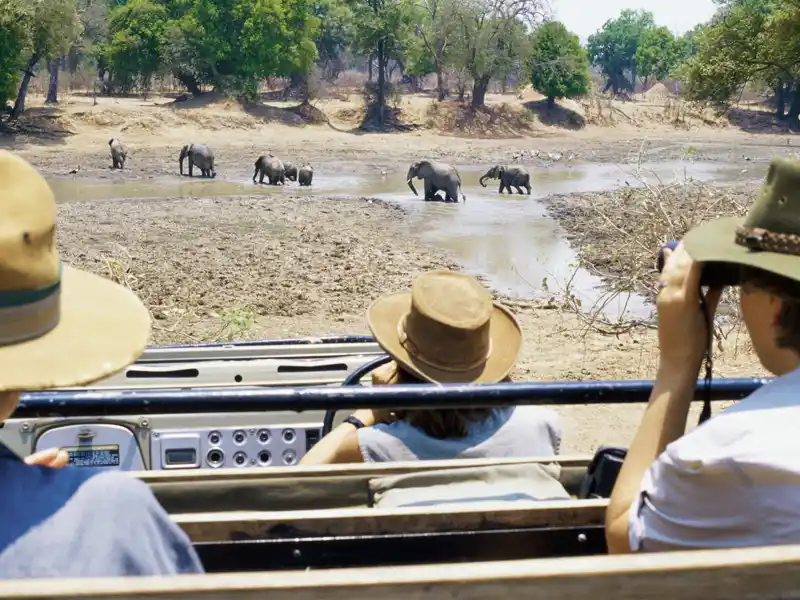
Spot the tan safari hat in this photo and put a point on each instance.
(447, 330)
(768, 238)
(59, 326)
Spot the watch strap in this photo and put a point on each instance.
(356, 422)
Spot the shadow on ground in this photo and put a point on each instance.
(760, 121)
(44, 124)
(556, 116)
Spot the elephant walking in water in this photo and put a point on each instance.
(271, 167)
(305, 174)
(438, 177)
(517, 177)
(118, 153)
(200, 155)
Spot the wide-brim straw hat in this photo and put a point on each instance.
(59, 326)
(768, 238)
(447, 330)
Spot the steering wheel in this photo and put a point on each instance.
(353, 379)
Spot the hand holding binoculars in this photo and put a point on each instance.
(715, 274)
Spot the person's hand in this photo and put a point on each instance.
(52, 457)
(682, 332)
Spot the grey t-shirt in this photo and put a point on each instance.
(84, 522)
(509, 432)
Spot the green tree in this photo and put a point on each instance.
(52, 26)
(13, 37)
(491, 39)
(436, 29)
(232, 44)
(748, 41)
(559, 66)
(381, 30)
(659, 52)
(335, 35)
(135, 47)
(613, 48)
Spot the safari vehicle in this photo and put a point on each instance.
(220, 457)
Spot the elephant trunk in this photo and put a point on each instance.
(483, 179)
(411, 185)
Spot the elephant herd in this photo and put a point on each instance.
(202, 156)
(438, 176)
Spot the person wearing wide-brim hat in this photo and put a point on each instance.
(445, 330)
(60, 327)
(734, 480)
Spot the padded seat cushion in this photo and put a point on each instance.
(501, 483)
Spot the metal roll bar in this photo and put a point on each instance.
(242, 399)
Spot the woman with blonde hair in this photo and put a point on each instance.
(445, 330)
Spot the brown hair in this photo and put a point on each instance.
(788, 291)
(437, 423)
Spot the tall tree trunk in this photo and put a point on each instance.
(369, 66)
(479, 86)
(440, 95)
(381, 81)
(53, 66)
(190, 83)
(780, 100)
(794, 109)
(551, 102)
(19, 105)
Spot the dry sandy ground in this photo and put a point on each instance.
(257, 267)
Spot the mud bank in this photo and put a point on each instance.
(617, 234)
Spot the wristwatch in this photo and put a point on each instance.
(355, 422)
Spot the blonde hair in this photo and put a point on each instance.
(437, 423)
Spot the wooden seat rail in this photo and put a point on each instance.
(752, 574)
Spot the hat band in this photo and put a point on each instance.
(763, 240)
(413, 349)
(29, 314)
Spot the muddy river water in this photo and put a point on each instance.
(507, 238)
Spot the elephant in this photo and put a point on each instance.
(290, 171)
(517, 177)
(118, 153)
(200, 155)
(305, 174)
(438, 177)
(271, 167)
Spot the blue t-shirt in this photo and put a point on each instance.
(84, 522)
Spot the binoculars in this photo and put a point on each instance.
(715, 274)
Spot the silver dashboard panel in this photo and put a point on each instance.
(141, 449)
(257, 445)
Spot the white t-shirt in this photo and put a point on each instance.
(732, 482)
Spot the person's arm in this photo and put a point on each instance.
(683, 336)
(341, 444)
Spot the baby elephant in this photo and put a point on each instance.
(118, 153)
(271, 167)
(290, 171)
(305, 174)
(515, 176)
(201, 156)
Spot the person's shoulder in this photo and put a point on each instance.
(142, 528)
(117, 487)
(537, 415)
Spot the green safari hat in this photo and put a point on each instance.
(768, 237)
